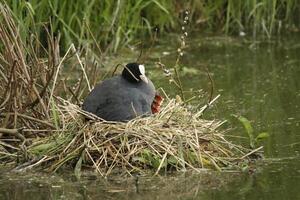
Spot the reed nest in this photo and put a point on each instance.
(43, 127)
(173, 139)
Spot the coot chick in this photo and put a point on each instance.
(122, 97)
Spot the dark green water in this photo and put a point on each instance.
(259, 80)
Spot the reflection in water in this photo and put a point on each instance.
(278, 180)
(257, 80)
(90, 187)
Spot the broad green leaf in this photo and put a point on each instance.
(261, 136)
(249, 129)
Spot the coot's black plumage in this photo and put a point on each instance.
(122, 97)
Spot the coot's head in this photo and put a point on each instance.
(134, 72)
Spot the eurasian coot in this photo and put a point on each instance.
(123, 97)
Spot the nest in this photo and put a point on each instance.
(41, 129)
(173, 139)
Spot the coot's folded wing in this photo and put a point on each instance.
(116, 99)
(100, 96)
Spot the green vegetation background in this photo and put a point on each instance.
(115, 23)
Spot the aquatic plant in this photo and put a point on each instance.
(253, 140)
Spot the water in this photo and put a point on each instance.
(259, 80)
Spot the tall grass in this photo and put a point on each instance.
(118, 22)
(111, 22)
(261, 16)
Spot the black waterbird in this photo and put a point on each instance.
(123, 97)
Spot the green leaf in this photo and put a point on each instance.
(148, 158)
(42, 148)
(172, 160)
(191, 157)
(30, 8)
(161, 6)
(261, 136)
(249, 129)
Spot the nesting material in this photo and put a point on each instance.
(173, 139)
